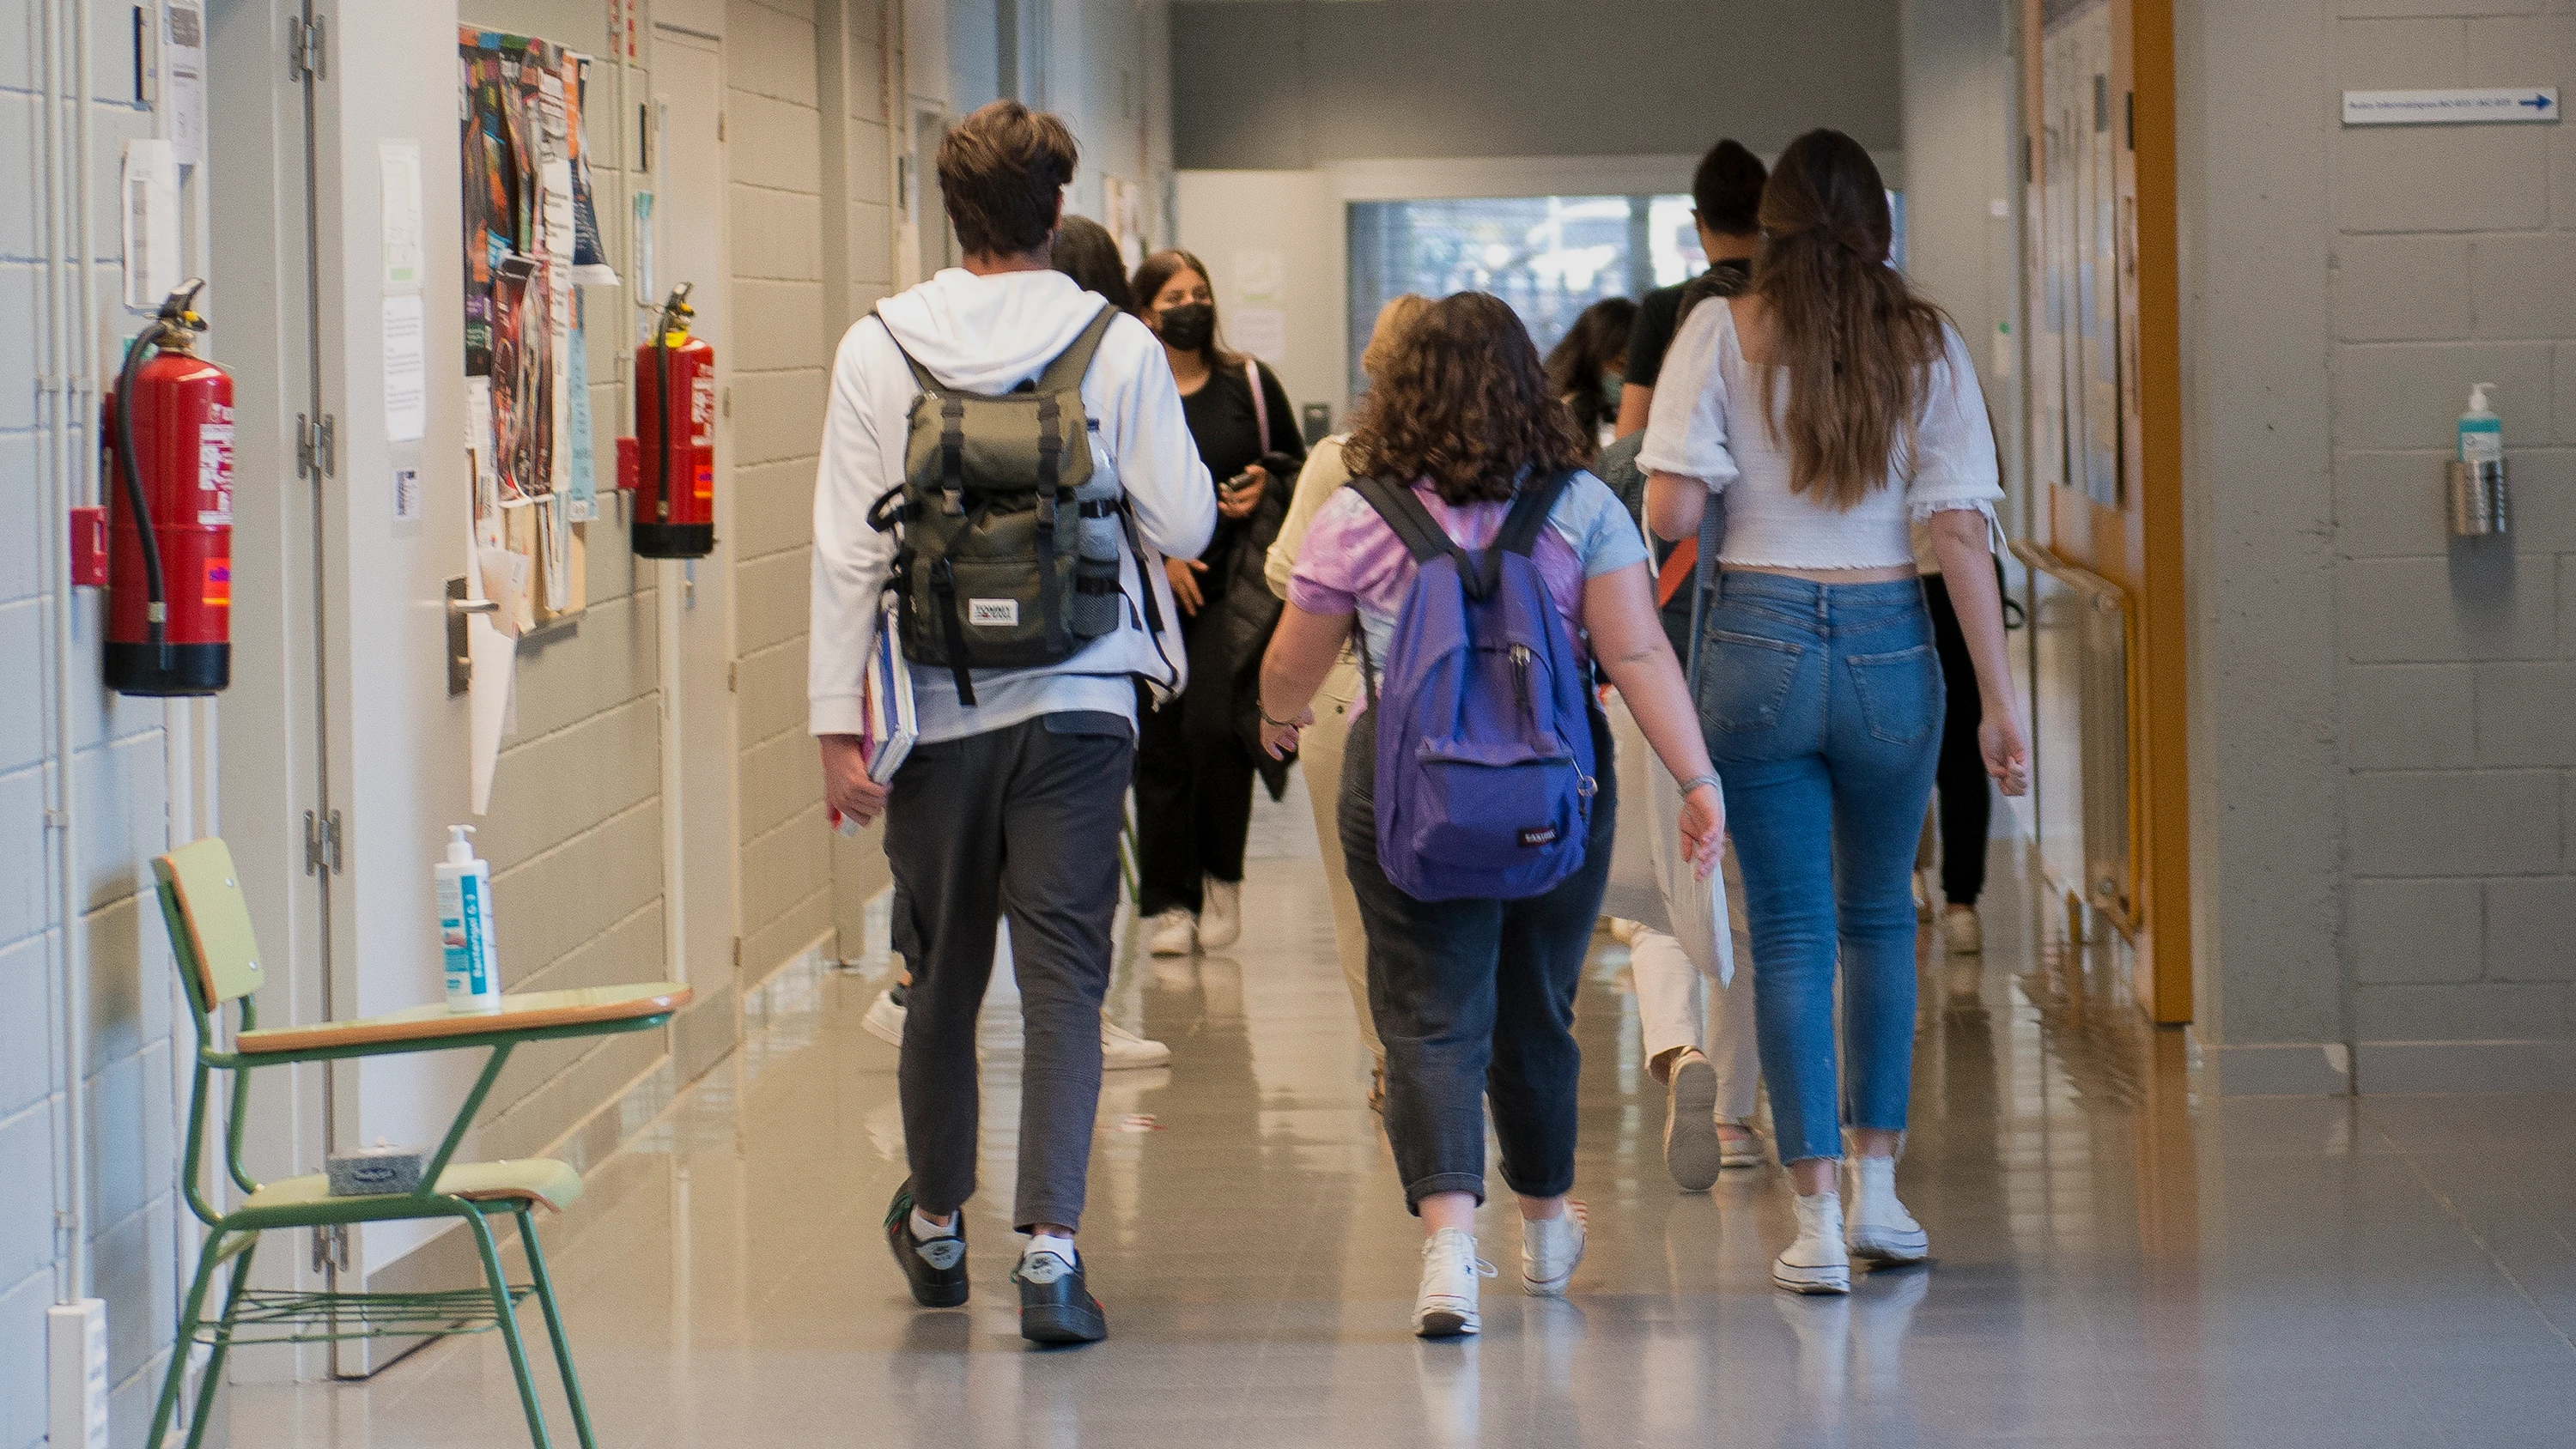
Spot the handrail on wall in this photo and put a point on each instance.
(2083, 635)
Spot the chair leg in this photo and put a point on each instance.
(208, 1259)
(223, 1347)
(500, 1284)
(545, 1285)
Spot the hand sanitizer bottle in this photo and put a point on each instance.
(465, 926)
(2481, 431)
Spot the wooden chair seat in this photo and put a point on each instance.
(540, 1180)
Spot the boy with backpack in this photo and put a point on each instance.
(1480, 566)
(1005, 461)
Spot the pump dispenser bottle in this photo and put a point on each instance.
(2481, 431)
(465, 926)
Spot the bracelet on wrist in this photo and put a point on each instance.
(1263, 710)
(1695, 781)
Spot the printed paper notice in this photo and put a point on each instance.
(151, 223)
(399, 163)
(406, 370)
(1261, 331)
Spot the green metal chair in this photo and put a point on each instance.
(210, 930)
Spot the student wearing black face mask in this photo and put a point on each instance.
(1195, 759)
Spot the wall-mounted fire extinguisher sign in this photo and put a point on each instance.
(167, 436)
(675, 429)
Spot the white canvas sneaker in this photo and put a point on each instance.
(1176, 933)
(1817, 1262)
(1692, 1152)
(1551, 1249)
(1882, 1231)
(884, 1020)
(1121, 1049)
(1445, 1307)
(1962, 932)
(1220, 913)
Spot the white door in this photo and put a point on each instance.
(696, 599)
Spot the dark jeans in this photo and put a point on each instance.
(1193, 810)
(1021, 820)
(1966, 795)
(1475, 1001)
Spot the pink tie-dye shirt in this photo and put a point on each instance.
(1353, 562)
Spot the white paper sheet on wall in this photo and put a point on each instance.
(1261, 331)
(151, 223)
(398, 165)
(406, 369)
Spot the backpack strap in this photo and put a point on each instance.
(1530, 509)
(1071, 364)
(1420, 533)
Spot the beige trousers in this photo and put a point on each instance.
(1320, 752)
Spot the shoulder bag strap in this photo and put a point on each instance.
(1712, 534)
(1260, 404)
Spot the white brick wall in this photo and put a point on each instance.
(2455, 262)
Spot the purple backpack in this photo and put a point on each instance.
(1484, 736)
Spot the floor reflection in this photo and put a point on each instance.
(2118, 1262)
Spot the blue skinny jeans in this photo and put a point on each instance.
(1823, 704)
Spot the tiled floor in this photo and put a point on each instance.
(2120, 1262)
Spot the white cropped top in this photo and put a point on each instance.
(1707, 424)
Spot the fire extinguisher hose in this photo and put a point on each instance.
(157, 612)
(674, 313)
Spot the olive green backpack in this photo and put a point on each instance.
(1007, 553)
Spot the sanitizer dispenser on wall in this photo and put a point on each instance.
(2480, 505)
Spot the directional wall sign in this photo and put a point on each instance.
(2449, 108)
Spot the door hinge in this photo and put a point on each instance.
(317, 452)
(737, 953)
(321, 843)
(728, 402)
(720, 125)
(306, 56)
(330, 1246)
(733, 678)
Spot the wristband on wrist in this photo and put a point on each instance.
(1262, 709)
(1695, 781)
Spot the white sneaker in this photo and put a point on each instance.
(1121, 1049)
(1623, 930)
(1744, 1151)
(1220, 913)
(1692, 1152)
(1882, 1231)
(884, 1020)
(1446, 1305)
(1176, 933)
(1922, 896)
(1551, 1248)
(1962, 932)
(1817, 1262)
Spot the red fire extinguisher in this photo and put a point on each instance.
(675, 430)
(169, 449)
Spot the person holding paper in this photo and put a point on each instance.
(1012, 802)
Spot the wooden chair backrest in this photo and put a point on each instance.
(201, 899)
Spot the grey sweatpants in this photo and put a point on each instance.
(1023, 820)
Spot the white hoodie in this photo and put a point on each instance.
(988, 335)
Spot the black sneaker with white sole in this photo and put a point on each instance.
(1055, 1307)
(936, 1267)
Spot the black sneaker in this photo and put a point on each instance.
(1055, 1307)
(936, 1268)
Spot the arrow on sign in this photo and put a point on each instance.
(2537, 103)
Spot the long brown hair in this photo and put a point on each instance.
(1464, 404)
(1857, 343)
(1157, 271)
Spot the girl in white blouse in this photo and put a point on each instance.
(1832, 406)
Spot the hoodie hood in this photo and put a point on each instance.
(989, 334)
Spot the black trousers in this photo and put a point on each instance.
(1193, 809)
(1022, 821)
(1475, 1003)
(1966, 795)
